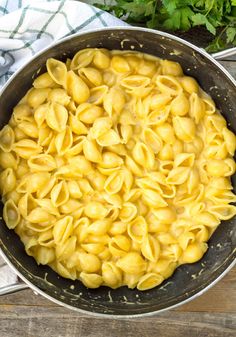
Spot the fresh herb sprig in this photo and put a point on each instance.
(217, 16)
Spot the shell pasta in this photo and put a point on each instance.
(115, 169)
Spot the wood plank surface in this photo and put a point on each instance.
(25, 314)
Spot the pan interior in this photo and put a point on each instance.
(188, 279)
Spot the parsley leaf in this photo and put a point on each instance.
(217, 16)
(231, 34)
(200, 19)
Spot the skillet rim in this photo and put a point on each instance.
(51, 46)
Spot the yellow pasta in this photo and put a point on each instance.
(115, 169)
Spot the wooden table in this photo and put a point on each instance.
(213, 314)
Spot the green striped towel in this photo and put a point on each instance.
(27, 26)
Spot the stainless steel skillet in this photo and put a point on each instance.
(188, 281)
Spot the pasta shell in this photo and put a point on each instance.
(62, 229)
(197, 108)
(11, 214)
(41, 193)
(7, 181)
(101, 59)
(99, 227)
(108, 139)
(158, 117)
(119, 245)
(193, 252)
(77, 126)
(57, 117)
(152, 139)
(178, 175)
(57, 71)
(148, 183)
(45, 137)
(21, 112)
(113, 199)
(131, 263)
(74, 189)
(77, 88)
(117, 227)
(172, 252)
(36, 97)
(76, 148)
(89, 263)
(171, 68)
(46, 239)
(82, 58)
(134, 82)
(137, 229)
(149, 280)
(81, 164)
(40, 114)
(143, 155)
(114, 182)
(230, 140)
(114, 100)
(168, 85)
(153, 198)
(26, 204)
(42, 162)
(128, 212)
(91, 280)
(91, 76)
(91, 151)
(7, 138)
(185, 239)
(132, 195)
(119, 64)
(200, 232)
(36, 181)
(43, 81)
(59, 194)
(100, 126)
(44, 255)
(165, 267)
(39, 215)
(88, 113)
(184, 160)
(64, 141)
(64, 251)
(95, 210)
(97, 94)
(26, 148)
(62, 270)
(59, 96)
(111, 274)
(47, 205)
(210, 107)
(93, 248)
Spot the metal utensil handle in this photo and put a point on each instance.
(12, 288)
(15, 283)
(224, 53)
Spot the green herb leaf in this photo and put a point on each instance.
(200, 19)
(217, 16)
(231, 34)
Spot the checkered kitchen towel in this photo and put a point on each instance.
(27, 26)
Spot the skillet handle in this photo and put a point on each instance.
(224, 53)
(9, 281)
(12, 288)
